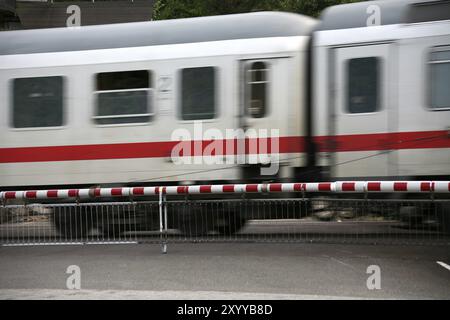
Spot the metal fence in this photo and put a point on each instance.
(310, 220)
(248, 213)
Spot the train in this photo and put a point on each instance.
(350, 98)
(361, 93)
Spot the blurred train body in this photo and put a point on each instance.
(98, 105)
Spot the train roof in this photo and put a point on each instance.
(354, 15)
(150, 33)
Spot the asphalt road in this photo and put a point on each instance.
(225, 271)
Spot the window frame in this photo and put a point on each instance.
(64, 121)
(179, 94)
(248, 82)
(150, 101)
(380, 89)
(428, 78)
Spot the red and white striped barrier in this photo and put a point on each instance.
(335, 187)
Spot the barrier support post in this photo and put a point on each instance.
(165, 222)
(162, 222)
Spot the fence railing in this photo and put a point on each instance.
(302, 212)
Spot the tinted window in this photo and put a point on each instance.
(37, 102)
(123, 80)
(123, 97)
(198, 96)
(257, 83)
(440, 79)
(363, 85)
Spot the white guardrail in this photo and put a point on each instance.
(333, 187)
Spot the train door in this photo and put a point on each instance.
(364, 110)
(263, 107)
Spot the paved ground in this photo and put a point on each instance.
(225, 271)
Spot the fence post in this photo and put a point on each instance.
(2, 199)
(2, 213)
(165, 221)
(162, 219)
(134, 209)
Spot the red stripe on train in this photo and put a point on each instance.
(342, 143)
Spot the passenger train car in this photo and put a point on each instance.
(361, 93)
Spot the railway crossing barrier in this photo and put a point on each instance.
(342, 212)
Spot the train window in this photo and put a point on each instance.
(37, 102)
(198, 96)
(440, 78)
(363, 85)
(124, 97)
(257, 82)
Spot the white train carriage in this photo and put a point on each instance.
(107, 104)
(381, 90)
